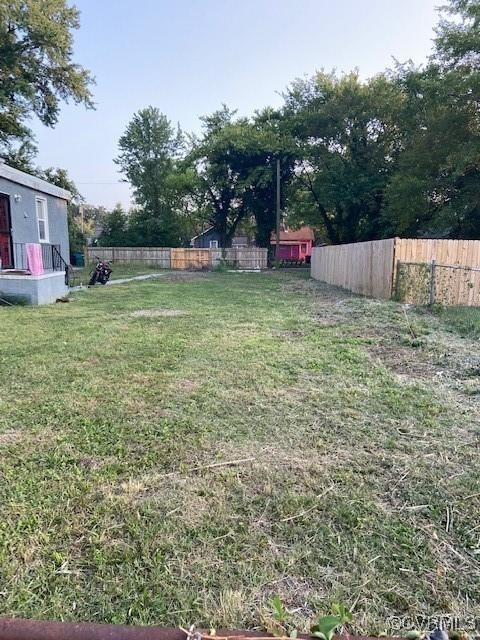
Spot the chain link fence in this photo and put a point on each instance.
(428, 283)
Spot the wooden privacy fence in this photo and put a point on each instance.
(412, 270)
(190, 259)
(363, 267)
(185, 259)
(153, 256)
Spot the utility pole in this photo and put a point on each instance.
(277, 247)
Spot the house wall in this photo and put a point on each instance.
(35, 290)
(238, 241)
(203, 240)
(289, 252)
(308, 252)
(294, 251)
(24, 217)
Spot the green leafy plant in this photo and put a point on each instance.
(279, 611)
(323, 629)
(326, 625)
(282, 618)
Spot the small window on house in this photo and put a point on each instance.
(42, 219)
(213, 244)
(304, 247)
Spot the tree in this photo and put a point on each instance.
(234, 163)
(149, 153)
(268, 141)
(436, 189)
(114, 228)
(348, 141)
(19, 156)
(77, 237)
(216, 178)
(60, 178)
(36, 67)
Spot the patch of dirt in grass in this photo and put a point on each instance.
(407, 362)
(10, 437)
(296, 593)
(439, 358)
(187, 386)
(158, 313)
(94, 462)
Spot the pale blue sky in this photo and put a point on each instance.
(188, 56)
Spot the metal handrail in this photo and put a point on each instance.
(51, 257)
(59, 264)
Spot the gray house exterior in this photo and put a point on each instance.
(32, 211)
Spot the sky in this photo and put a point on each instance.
(187, 57)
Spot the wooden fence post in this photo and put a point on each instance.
(432, 283)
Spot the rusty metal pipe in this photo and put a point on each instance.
(19, 629)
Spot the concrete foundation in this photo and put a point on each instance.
(34, 290)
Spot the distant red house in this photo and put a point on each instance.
(295, 246)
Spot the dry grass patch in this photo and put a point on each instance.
(186, 385)
(10, 437)
(157, 313)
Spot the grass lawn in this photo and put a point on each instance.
(358, 424)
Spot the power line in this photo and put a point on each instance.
(118, 182)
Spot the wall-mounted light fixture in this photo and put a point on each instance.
(17, 197)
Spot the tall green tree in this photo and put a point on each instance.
(348, 141)
(149, 154)
(269, 141)
(235, 162)
(216, 177)
(436, 190)
(36, 69)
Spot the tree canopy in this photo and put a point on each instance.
(436, 189)
(149, 152)
(348, 143)
(36, 70)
